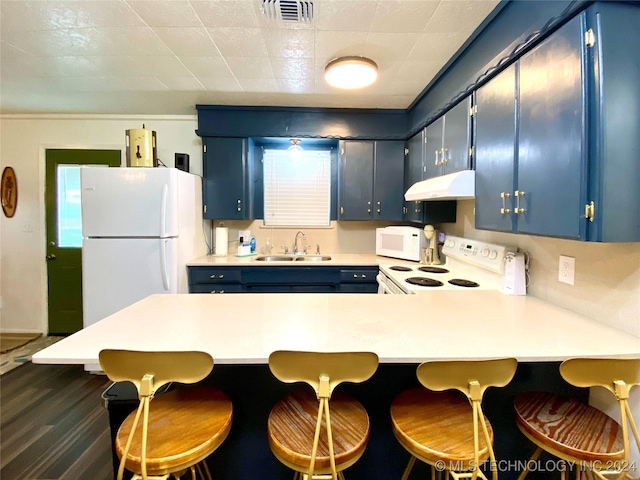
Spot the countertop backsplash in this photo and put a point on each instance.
(339, 237)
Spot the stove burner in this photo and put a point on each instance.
(400, 269)
(424, 282)
(433, 269)
(463, 283)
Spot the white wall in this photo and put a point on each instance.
(607, 278)
(23, 141)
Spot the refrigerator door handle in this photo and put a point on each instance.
(163, 264)
(163, 211)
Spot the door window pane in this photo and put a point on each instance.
(68, 206)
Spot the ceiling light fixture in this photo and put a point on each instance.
(295, 150)
(351, 72)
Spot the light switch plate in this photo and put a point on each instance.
(567, 269)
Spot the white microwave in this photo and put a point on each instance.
(400, 242)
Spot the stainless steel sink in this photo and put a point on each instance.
(274, 258)
(297, 258)
(313, 258)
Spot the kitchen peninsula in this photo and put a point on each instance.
(245, 329)
(240, 331)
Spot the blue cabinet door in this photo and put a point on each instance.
(495, 141)
(614, 131)
(356, 180)
(225, 171)
(448, 141)
(551, 185)
(413, 169)
(434, 153)
(388, 193)
(456, 138)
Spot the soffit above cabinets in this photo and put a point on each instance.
(166, 56)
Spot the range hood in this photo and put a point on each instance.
(453, 186)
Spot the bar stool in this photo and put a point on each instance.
(440, 427)
(183, 427)
(314, 439)
(579, 433)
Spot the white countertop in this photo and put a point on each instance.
(345, 259)
(246, 328)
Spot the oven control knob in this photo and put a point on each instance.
(450, 243)
(493, 255)
(485, 252)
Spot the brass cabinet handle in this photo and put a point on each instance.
(518, 194)
(504, 210)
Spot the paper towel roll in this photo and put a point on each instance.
(222, 240)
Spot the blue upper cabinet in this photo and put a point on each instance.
(495, 142)
(530, 159)
(416, 166)
(413, 168)
(226, 171)
(448, 141)
(371, 179)
(388, 180)
(433, 149)
(550, 191)
(614, 127)
(571, 157)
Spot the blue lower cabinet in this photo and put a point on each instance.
(282, 279)
(215, 288)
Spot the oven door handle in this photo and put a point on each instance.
(382, 286)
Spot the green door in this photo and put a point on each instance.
(64, 233)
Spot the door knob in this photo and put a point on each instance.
(50, 256)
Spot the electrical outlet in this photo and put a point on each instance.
(567, 269)
(244, 234)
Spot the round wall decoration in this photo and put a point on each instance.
(9, 192)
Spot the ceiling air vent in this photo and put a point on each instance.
(288, 10)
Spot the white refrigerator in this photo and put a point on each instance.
(140, 226)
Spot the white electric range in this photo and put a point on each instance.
(469, 265)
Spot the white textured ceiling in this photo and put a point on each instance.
(166, 56)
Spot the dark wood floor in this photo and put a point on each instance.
(53, 425)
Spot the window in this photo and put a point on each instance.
(297, 190)
(69, 208)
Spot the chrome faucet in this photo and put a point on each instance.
(295, 242)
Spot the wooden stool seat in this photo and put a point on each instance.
(185, 426)
(319, 432)
(566, 426)
(578, 433)
(176, 432)
(291, 441)
(436, 426)
(443, 424)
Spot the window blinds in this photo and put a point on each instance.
(297, 191)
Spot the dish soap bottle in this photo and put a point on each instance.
(252, 243)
